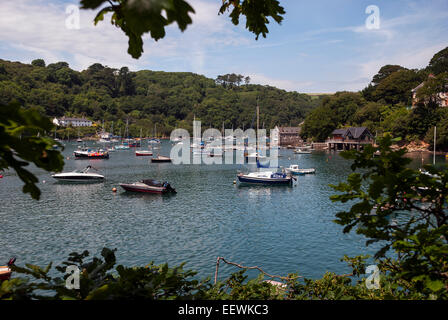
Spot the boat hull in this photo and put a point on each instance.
(5, 273)
(160, 160)
(143, 154)
(91, 156)
(148, 189)
(264, 181)
(79, 179)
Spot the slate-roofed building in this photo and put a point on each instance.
(350, 138)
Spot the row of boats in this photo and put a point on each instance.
(84, 176)
(88, 153)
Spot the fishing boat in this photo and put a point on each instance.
(85, 153)
(266, 178)
(5, 271)
(294, 169)
(148, 186)
(83, 176)
(161, 159)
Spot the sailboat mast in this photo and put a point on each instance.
(258, 123)
(434, 155)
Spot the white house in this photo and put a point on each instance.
(441, 98)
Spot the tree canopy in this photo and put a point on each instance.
(148, 98)
(385, 105)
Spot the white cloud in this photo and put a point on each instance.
(39, 28)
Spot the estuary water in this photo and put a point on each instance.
(280, 229)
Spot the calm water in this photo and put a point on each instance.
(281, 229)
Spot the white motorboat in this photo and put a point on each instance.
(301, 151)
(82, 176)
(294, 169)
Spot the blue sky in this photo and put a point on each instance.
(321, 46)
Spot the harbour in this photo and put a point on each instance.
(282, 229)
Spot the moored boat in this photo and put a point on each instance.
(5, 271)
(85, 153)
(148, 186)
(143, 153)
(294, 169)
(161, 159)
(301, 151)
(266, 178)
(80, 176)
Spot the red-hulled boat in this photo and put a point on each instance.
(148, 186)
(143, 153)
(5, 271)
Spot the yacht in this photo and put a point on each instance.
(79, 176)
(266, 178)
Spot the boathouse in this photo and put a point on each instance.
(350, 138)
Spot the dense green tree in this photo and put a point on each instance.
(38, 63)
(439, 62)
(20, 145)
(384, 72)
(108, 94)
(396, 88)
(336, 111)
(383, 188)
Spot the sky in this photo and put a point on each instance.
(322, 46)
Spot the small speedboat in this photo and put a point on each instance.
(294, 169)
(301, 151)
(161, 159)
(5, 271)
(148, 186)
(143, 153)
(79, 176)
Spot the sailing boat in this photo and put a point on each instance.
(268, 177)
(433, 157)
(140, 152)
(123, 146)
(155, 140)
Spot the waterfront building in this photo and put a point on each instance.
(289, 136)
(350, 138)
